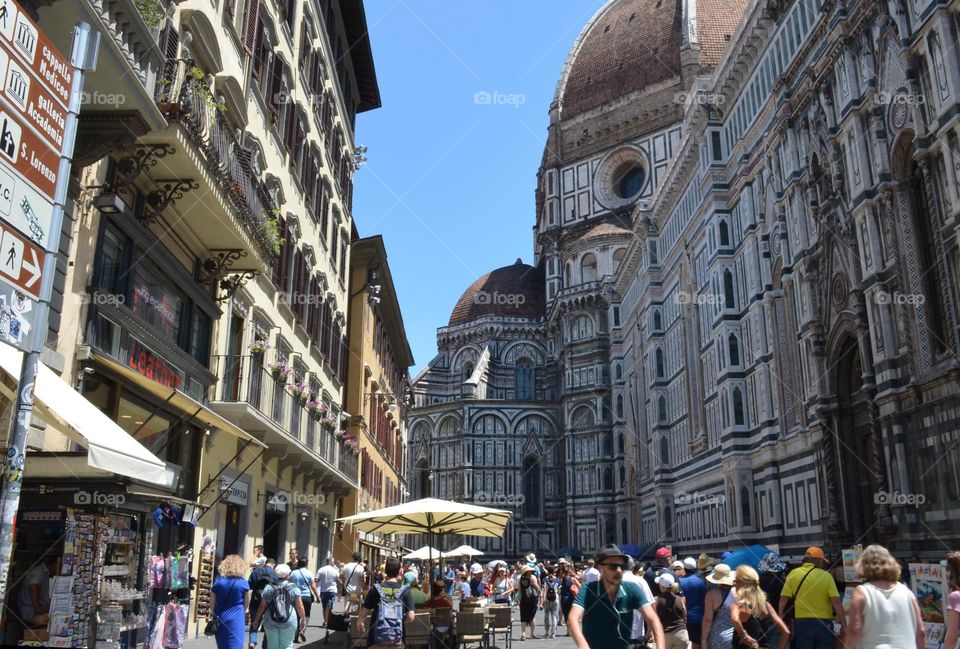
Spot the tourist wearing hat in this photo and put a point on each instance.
(602, 614)
(477, 588)
(672, 612)
(661, 565)
(811, 595)
(530, 596)
(717, 628)
(694, 589)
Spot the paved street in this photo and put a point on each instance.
(317, 635)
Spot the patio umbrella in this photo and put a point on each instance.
(426, 552)
(463, 550)
(432, 516)
(748, 556)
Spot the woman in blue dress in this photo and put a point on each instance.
(229, 599)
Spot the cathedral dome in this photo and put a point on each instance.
(630, 45)
(515, 291)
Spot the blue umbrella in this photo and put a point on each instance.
(748, 556)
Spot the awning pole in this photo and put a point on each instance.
(220, 473)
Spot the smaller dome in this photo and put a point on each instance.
(515, 291)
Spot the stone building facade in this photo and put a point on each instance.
(745, 234)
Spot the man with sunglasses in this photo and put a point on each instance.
(602, 615)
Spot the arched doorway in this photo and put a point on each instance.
(854, 445)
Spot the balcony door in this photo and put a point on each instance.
(233, 360)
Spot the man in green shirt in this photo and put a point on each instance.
(602, 614)
(816, 603)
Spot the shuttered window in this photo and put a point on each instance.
(252, 27)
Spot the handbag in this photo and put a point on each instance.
(213, 625)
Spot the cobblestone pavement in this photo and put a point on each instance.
(316, 636)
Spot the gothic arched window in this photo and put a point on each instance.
(664, 451)
(729, 300)
(657, 320)
(524, 380)
(734, 346)
(619, 406)
(724, 234)
(745, 507)
(582, 417)
(662, 410)
(532, 497)
(738, 409)
(588, 268)
(659, 363)
(581, 327)
(608, 479)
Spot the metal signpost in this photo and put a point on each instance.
(40, 93)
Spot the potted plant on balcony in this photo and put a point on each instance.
(300, 392)
(272, 228)
(279, 370)
(236, 191)
(258, 346)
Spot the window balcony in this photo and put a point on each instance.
(229, 206)
(248, 394)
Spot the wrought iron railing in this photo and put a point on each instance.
(246, 379)
(183, 95)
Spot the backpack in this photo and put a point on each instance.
(281, 604)
(388, 629)
(530, 592)
(552, 590)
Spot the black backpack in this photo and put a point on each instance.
(552, 590)
(281, 604)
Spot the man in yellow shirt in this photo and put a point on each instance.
(812, 594)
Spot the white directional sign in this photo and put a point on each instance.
(24, 207)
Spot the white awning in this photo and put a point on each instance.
(109, 447)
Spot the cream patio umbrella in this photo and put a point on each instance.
(463, 550)
(432, 516)
(423, 553)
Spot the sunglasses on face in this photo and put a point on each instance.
(615, 566)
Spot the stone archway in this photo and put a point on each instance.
(856, 471)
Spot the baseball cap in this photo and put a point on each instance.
(676, 565)
(690, 563)
(813, 552)
(666, 580)
(282, 571)
(663, 553)
(476, 568)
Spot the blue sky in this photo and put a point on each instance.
(451, 173)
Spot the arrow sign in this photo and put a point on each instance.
(21, 261)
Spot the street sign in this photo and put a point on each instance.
(28, 154)
(19, 35)
(24, 207)
(21, 261)
(26, 94)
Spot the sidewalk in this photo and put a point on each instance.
(315, 637)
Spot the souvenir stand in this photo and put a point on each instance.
(204, 580)
(168, 581)
(850, 557)
(928, 581)
(97, 599)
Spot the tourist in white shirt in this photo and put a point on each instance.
(591, 573)
(639, 631)
(327, 578)
(352, 578)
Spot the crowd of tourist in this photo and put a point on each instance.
(609, 601)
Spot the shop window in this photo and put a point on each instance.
(112, 262)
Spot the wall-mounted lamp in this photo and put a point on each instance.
(304, 516)
(109, 203)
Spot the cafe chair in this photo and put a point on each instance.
(442, 634)
(501, 623)
(471, 629)
(417, 633)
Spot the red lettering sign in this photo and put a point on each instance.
(153, 367)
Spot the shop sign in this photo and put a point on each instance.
(235, 493)
(151, 365)
(276, 502)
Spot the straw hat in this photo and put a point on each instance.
(526, 569)
(721, 575)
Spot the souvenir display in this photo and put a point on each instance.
(204, 579)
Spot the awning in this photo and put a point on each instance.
(109, 447)
(176, 399)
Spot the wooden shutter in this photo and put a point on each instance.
(251, 25)
(280, 270)
(276, 87)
